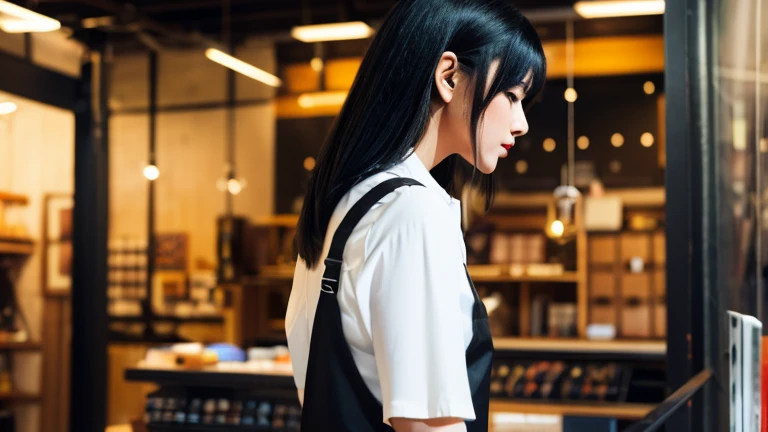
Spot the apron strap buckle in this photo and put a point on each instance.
(331, 276)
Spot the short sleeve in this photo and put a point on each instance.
(416, 319)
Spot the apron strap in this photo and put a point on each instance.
(332, 272)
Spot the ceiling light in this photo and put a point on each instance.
(617, 8)
(7, 108)
(242, 67)
(16, 19)
(322, 99)
(331, 32)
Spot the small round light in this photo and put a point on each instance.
(309, 163)
(234, 186)
(649, 88)
(617, 140)
(317, 64)
(521, 167)
(151, 172)
(582, 143)
(646, 139)
(764, 145)
(614, 166)
(571, 95)
(7, 108)
(549, 145)
(557, 228)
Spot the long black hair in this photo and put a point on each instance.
(388, 107)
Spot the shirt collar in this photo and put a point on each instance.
(416, 169)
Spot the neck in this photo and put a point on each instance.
(429, 149)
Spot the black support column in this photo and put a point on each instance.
(88, 405)
(696, 301)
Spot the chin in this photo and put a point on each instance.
(487, 167)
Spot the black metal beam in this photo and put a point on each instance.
(88, 402)
(23, 78)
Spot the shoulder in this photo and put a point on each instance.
(413, 214)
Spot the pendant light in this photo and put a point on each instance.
(230, 184)
(561, 225)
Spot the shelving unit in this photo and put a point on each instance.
(13, 246)
(20, 346)
(622, 411)
(20, 397)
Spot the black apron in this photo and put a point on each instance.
(336, 398)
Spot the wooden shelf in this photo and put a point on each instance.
(7, 197)
(167, 318)
(624, 411)
(13, 246)
(17, 396)
(628, 347)
(478, 273)
(484, 276)
(20, 346)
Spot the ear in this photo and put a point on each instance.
(445, 75)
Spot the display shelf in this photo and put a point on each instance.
(17, 396)
(205, 428)
(11, 198)
(583, 346)
(213, 377)
(16, 246)
(20, 346)
(479, 273)
(623, 411)
(167, 318)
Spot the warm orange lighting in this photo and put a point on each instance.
(549, 145)
(151, 172)
(617, 140)
(332, 32)
(582, 143)
(242, 67)
(646, 139)
(618, 8)
(571, 95)
(319, 99)
(16, 19)
(521, 167)
(649, 88)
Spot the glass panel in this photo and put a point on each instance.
(734, 96)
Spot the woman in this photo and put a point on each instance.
(384, 326)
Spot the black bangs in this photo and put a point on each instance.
(521, 56)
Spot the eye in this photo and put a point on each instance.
(512, 97)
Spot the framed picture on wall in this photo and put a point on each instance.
(57, 244)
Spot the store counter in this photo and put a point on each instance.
(616, 381)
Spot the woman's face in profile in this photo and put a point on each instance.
(500, 124)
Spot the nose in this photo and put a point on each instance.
(519, 125)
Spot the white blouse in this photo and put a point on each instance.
(406, 304)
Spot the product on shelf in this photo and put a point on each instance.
(559, 381)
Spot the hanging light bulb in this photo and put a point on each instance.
(151, 172)
(235, 186)
(561, 226)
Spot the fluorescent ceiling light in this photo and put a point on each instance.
(7, 108)
(617, 8)
(242, 67)
(322, 99)
(16, 19)
(332, 32)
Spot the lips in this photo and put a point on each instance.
(507, 146)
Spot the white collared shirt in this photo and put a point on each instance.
(406, 303)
